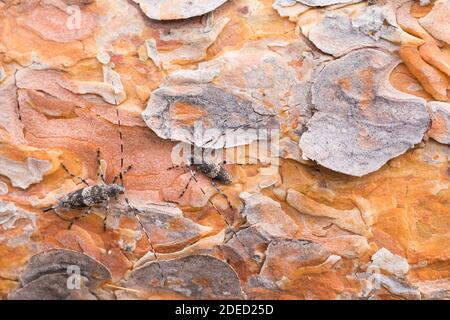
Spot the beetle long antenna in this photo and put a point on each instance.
(149, 240)
(121, 147)
(130, 207)
(229, 226)
(74, 176)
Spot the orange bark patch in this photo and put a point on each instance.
(366, 79)
(367, 96)
(297, 64)
(187, 113)
(403, 80)
(345, 83)
(434, 81)
(434, 56)
(438, 126)
(419, 11)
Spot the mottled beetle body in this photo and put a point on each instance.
(89, 196)
(212, 170)
(216, 172)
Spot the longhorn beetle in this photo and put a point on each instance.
(100, 194)
(216, 172)
(91, 195)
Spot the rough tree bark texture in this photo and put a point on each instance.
(354, 204)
